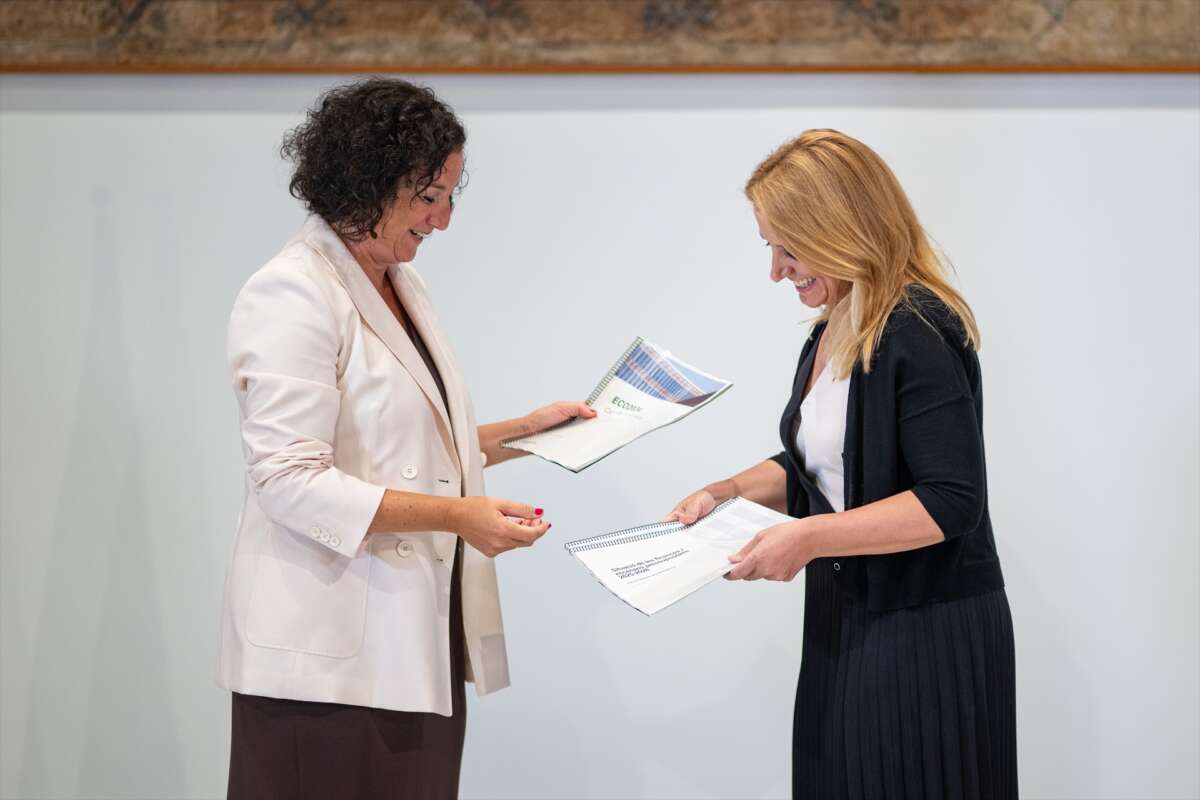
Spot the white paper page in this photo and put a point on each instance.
(625, 413)
(647, 574)
(647, 389)
(658, 565)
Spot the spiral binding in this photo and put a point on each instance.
(637, 534)
(613, 372)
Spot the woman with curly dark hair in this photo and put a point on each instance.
(362, 590)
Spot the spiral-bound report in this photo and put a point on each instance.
(652, 566)
(644, 390)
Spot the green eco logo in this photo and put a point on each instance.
(619, 403)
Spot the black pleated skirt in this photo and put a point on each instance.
(907, 704)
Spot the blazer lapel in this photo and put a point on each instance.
(376, 313)
(420, 311)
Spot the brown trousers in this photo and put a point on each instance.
(297, 750)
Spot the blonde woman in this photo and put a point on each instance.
(906, 683)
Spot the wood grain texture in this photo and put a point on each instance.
(598, 35)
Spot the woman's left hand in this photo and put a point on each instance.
(556, 414)
(777, 553)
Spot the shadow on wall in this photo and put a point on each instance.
(100, 694)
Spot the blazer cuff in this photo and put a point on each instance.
(344, 527)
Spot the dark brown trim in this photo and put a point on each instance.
(587, 69)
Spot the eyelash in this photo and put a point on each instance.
(781, 249)
(431, 200)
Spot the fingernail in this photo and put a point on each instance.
(537, 512)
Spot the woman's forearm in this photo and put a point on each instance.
(765, 483)
(492, 434)
(892, 525)
(406, 512)
(489, 524)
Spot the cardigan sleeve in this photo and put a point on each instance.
(797, 500)
(939, 434)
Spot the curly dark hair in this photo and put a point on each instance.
(360, 142)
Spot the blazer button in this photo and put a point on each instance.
(836, 566)
(410, 471)
(314, 532)
(324, 537)
(335, 541)
(404, 548)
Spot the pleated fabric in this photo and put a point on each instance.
(918, 703)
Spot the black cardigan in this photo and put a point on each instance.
(915, 421)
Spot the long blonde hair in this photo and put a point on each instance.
(836, 206)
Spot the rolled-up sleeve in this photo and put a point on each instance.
(939, 435)
(283, 351)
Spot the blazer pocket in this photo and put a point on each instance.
(307, 598)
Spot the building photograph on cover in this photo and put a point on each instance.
(660, 375)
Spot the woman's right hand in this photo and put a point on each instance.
(693, 507)
(493, 526)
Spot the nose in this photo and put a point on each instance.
(779, 270)
(440, 216)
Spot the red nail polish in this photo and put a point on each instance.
(537, 512)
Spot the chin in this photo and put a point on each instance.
(812, 302)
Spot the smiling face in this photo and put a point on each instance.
(412, 217)
(813, 289)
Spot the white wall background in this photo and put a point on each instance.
(132, 209)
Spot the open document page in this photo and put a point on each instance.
(652, 566)
(646, 389)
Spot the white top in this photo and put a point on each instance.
(821, 435)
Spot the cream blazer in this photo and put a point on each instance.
(335, 405)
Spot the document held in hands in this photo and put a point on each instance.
(646, 389)
(652, 566)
